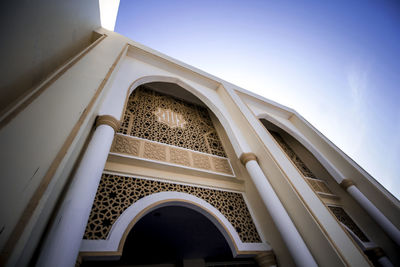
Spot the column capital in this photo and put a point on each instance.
(265, 259)
(108, 120)
(246, 157)
(346, 183)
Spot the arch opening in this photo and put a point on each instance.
(167, 113)
(302, 158)
(111, 248)
(169, 124)
(170, 232)
(318, 179)
(175, 233)
(176, 87)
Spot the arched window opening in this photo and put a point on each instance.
(313, 172)
(177, 118)
(175, 236)
(163, 122)
(316, 175)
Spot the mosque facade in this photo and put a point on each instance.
(124, 156)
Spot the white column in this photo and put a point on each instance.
(372, 210)
(61, 247)
(378, 255)
(385, 262)
(287, 229)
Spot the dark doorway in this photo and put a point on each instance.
(170, 235)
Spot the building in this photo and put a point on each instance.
(121, 137)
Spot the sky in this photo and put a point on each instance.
(337, 63)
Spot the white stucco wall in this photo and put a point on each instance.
(33, 138)
(39, 36)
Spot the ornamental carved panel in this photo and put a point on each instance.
(146, 149)
(319, 186)
(116, 193)
(165, 119)
(170, 118)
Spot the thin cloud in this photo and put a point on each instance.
(357, 79)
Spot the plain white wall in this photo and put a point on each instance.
(39, 36)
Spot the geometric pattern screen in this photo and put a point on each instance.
(162, 118)
(116, 193)
(342, 216)
(292, 155)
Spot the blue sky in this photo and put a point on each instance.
(336, 62)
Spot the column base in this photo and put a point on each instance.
(265, 259)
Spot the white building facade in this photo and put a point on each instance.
(121, 131)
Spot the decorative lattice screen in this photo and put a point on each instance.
(342, 216)
(116, 193)
(165, 119)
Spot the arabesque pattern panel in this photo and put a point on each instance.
(165, 119)
(116, 193)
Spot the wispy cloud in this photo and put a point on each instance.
(357, 78)
(364, 144)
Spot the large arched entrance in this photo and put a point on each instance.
(152, 207)
(175, 236)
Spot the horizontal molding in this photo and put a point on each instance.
(154, 151)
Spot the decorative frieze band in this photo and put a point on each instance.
(108, 120)
(151, 150)
(319, 186)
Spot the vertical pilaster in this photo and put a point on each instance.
(62, 245)
(286, 228)
(372, 210)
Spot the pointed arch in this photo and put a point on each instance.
(307, 144)
(214, 104)
(113, 245)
